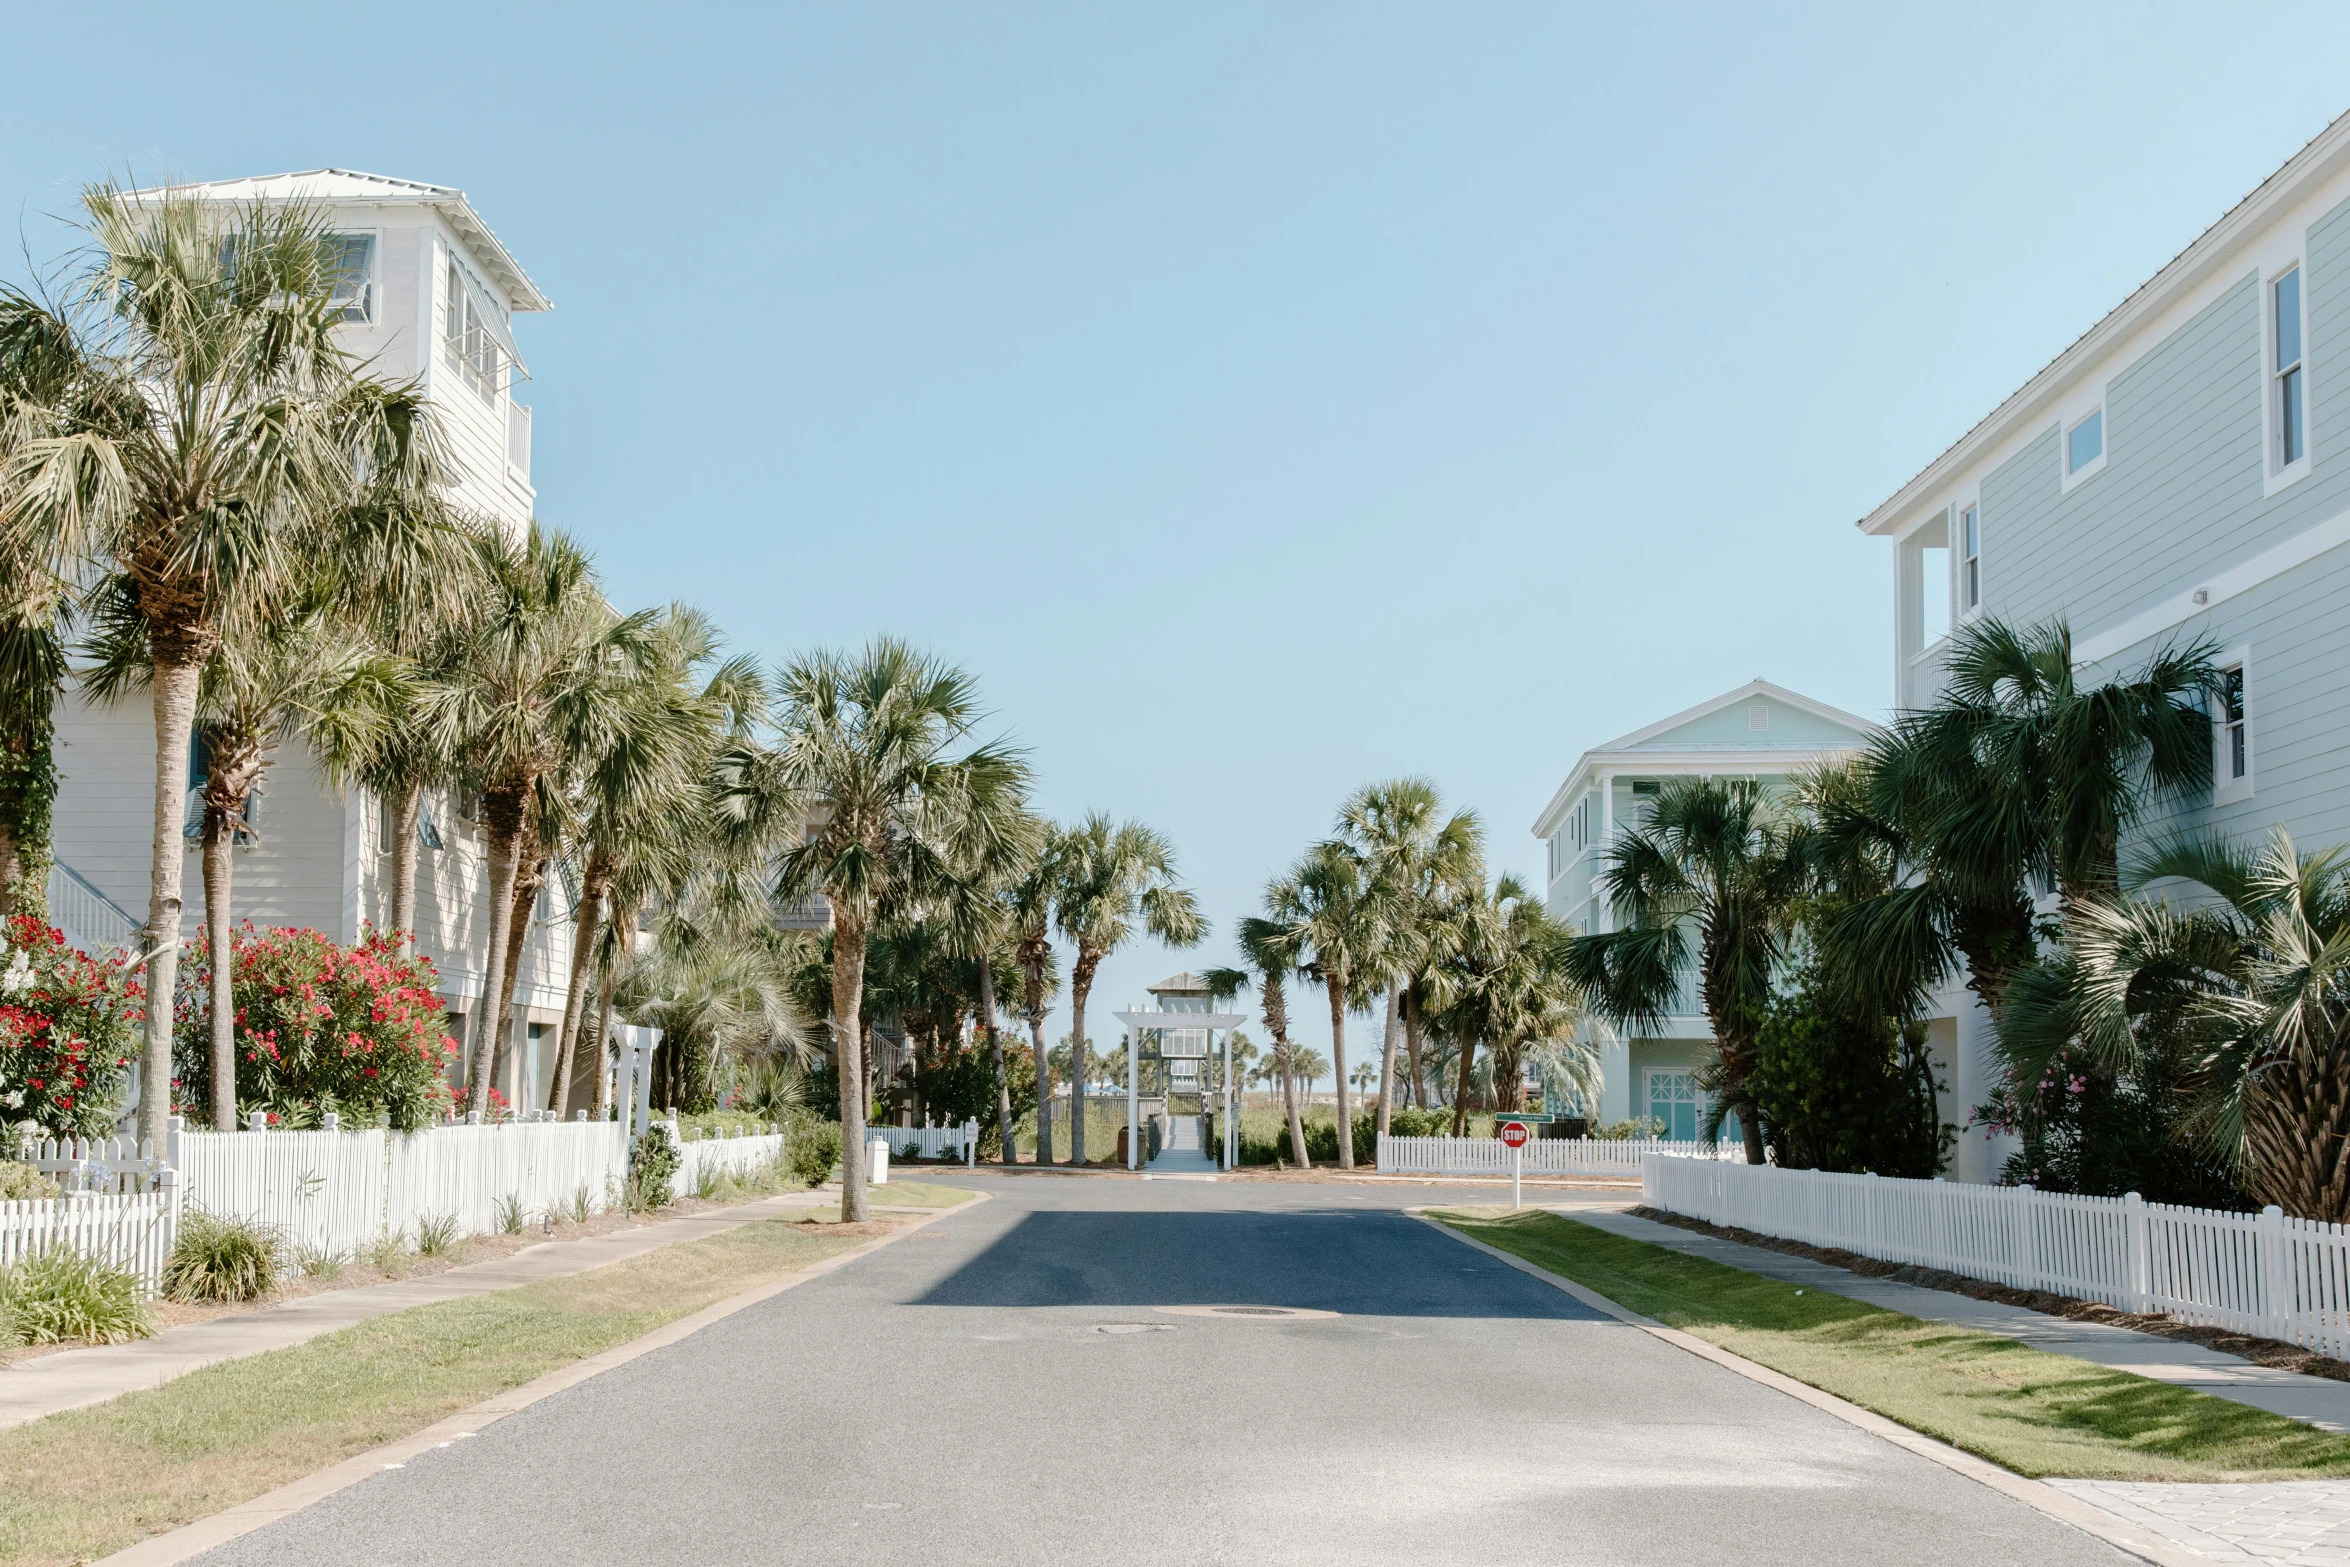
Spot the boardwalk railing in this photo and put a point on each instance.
(132, 1231)
(333, 1193)
(1543, 1156)
(2257, 1273)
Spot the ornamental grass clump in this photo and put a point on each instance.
(23, 1183)
(66, 1024)
(219, 1259)
(63, 1297)
(358, 1031)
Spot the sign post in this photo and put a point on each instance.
(1513, 1136)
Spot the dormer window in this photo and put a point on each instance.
(352, 260)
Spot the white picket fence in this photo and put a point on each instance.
(332, 1193)
(1543, 1155)
(128, 1230)
(928, 1142)
(92, 1164)
(730, 1153)
(2257, 1273)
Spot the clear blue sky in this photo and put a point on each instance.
(1344, 390)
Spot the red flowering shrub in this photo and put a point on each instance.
(66, 1025)
(355, 1030)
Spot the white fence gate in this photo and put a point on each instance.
(132, 1231)
(1544, 1155)
(2248, 1273)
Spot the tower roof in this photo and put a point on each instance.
(1184, 984)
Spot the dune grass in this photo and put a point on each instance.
(78, 1485)
(2036, 1413)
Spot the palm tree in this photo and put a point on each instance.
(1505, 983)
(717, 985)
(864, 750)
(1712, 854)
(977, 912)
(2245, 988)
(1029, 907)
(1423, 860)
(2018, 778)
(1109, 878)
(1265, 949)
(641, 794)
(39, 373)
(543, 676)
(209, 418)
(1336, 915)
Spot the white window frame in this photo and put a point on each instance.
(367, 290)
(1966, 577)
(2227, 790)
(2065, 427)
(2275, 473)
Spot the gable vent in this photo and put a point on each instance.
(1758, 716)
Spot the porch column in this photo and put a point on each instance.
(1133, 1054)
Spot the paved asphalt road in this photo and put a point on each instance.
(955, 1398)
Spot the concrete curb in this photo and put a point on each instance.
(209, 1533)
(2040, 1498)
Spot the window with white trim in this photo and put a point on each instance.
(2231, 733)
(353, 264)
(2084, 442)
(1970, 560)
(2288, 393)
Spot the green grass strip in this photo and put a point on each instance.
(78, 1485)
(914, 1194)
(2028, 1410)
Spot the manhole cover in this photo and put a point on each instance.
(1251, 1313)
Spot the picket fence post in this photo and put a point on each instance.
(2276, 1284)
(2141, 1259)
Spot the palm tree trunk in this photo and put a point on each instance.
(848, 1030)
(1044, 1088)
(1387, 1059)
(1297, 1121)
(602, 1110)
(1080, 986)
(995, 1046)
(404, 846)
(219, 838)
(1413, 1032)
(585, 923)
(175, 721)
(1460, 1098)
(526, 888)
(2297, 1132)
(1336, 985)
(504, 812)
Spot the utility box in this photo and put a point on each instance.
(877, 1163)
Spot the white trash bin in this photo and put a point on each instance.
(877, 1163)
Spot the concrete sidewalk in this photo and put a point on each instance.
(74, 1378)
(2317, 1401)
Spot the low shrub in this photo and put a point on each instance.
(436, 1234)
(812, 1148)
(63, 1297)
(66, 1026)
(651, 1165)
(218, 1259)
(23, 1183)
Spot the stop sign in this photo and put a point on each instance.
(1513, 1134)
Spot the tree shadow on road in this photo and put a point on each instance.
(1345, 1260)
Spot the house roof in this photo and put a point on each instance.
(1641, 745)
(350, 187)
(2325, 155)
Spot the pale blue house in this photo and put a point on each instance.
(2181, 471)
(1758, 731)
